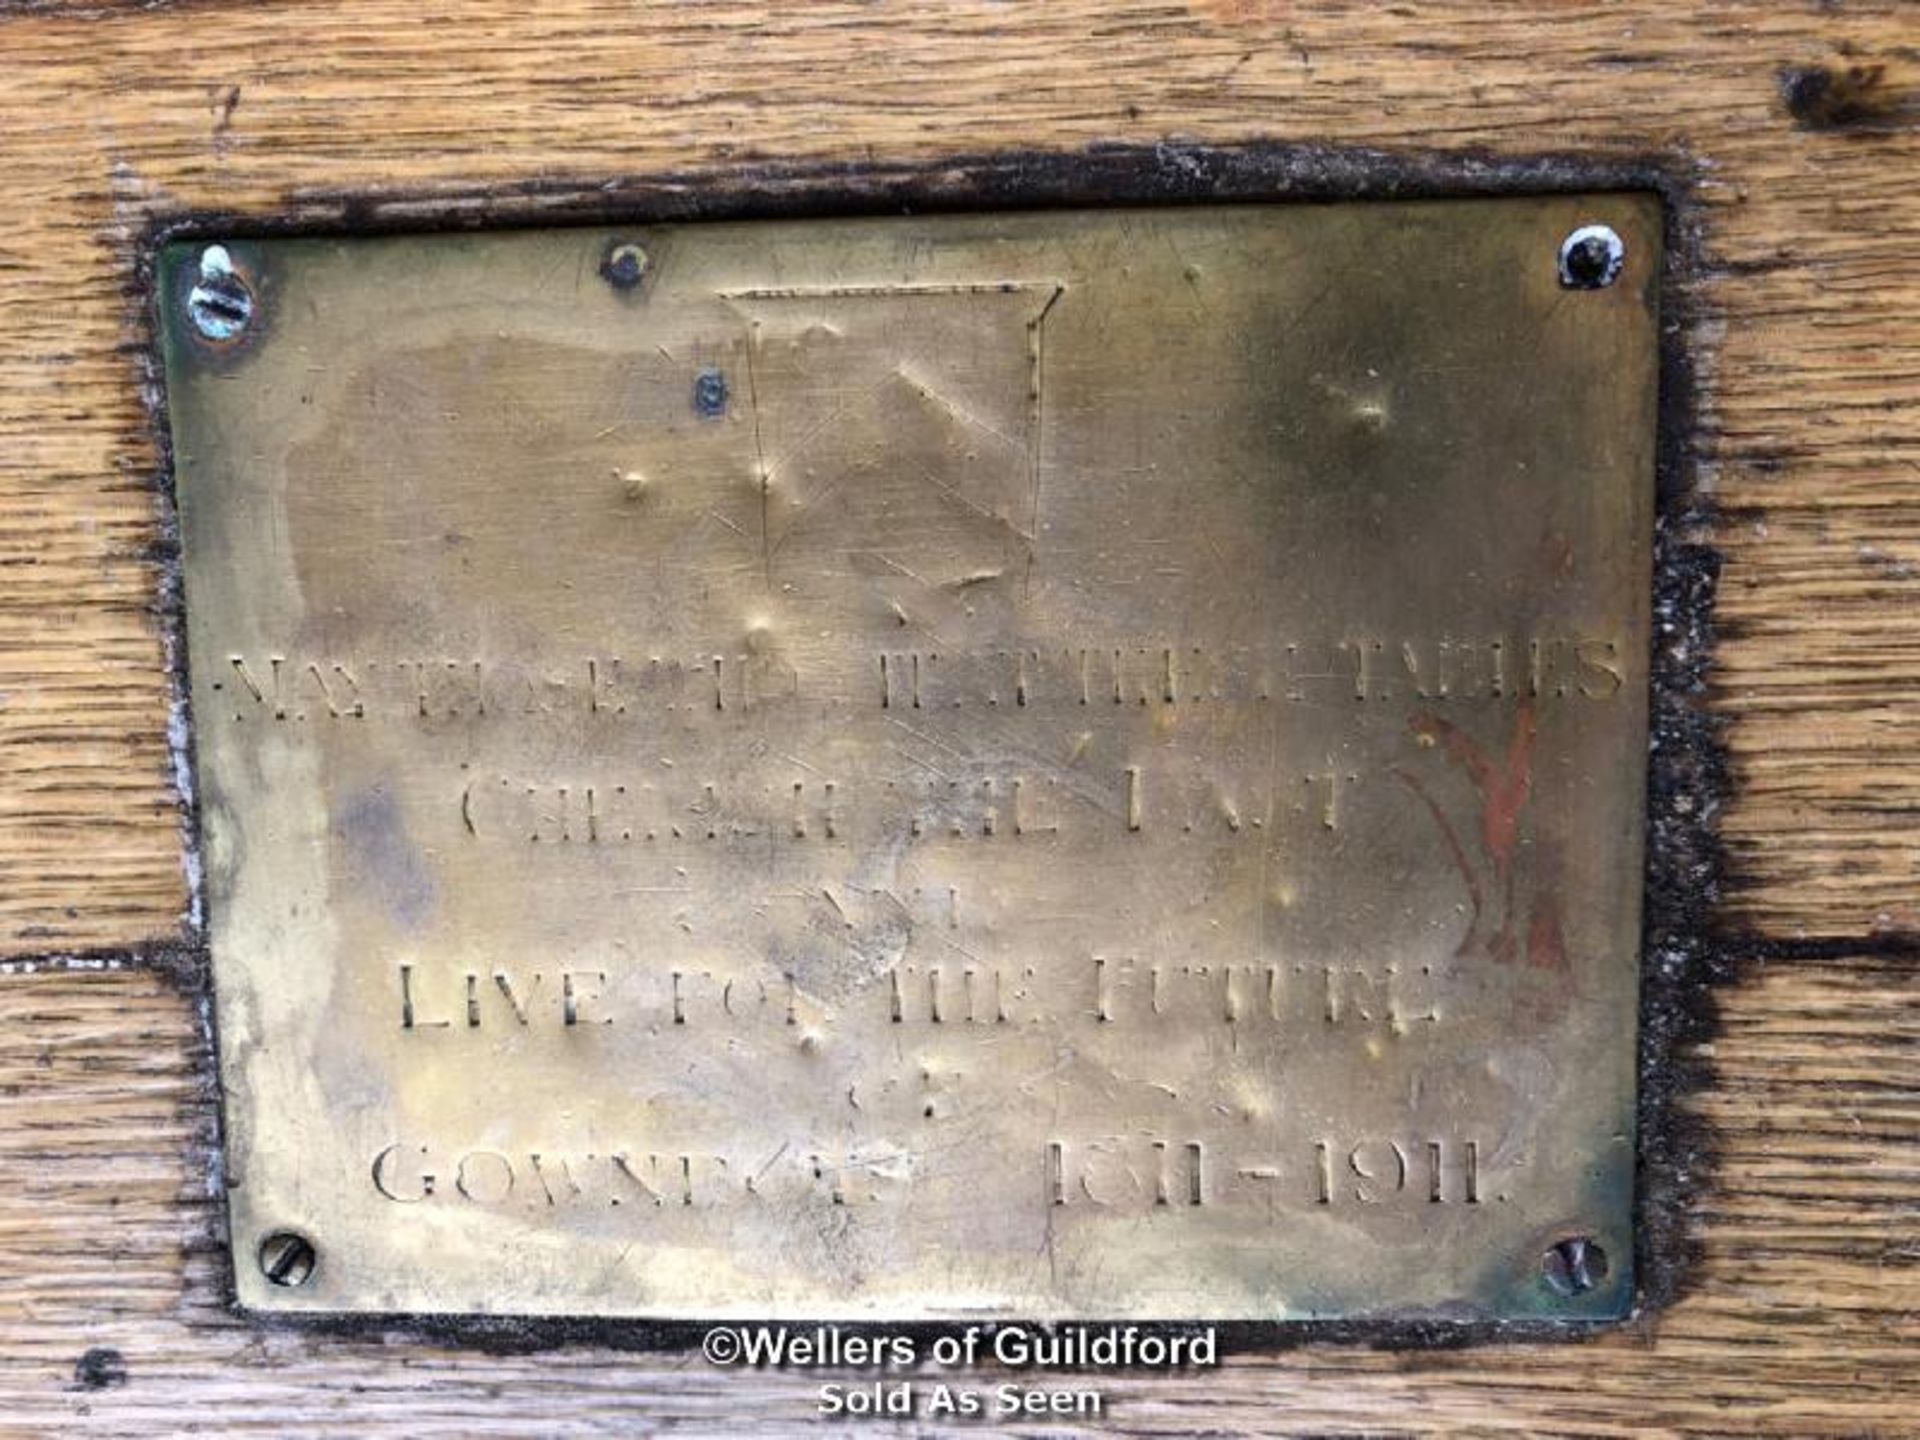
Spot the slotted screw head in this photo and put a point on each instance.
(220, 304)
(625, 266)
(1591, 257)
(287, 1258)
(1574, 1266)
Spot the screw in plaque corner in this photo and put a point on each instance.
(221, 303)
(1591, 258)
(287, 1258)
(1574, 1266)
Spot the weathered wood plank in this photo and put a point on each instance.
(1803, 1316)
(114, 116)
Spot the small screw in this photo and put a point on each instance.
(1591, 257)
(710, 394)
(287, 1258)
(221, 304)
(625, 265)
(1574, 1266)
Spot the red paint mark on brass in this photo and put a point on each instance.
(1503, 788)
(1546, 942)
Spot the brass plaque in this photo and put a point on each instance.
(1054, 765)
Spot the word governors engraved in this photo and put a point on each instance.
(1054, 765)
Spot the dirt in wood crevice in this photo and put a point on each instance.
(1848, 94)
(100, 1368)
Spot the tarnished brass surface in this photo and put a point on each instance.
(1064, 765)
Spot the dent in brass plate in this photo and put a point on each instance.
(1078, 764)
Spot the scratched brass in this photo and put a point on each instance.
(1076, 764)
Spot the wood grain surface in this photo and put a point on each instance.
(1800, 1320)
(1798, 126)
